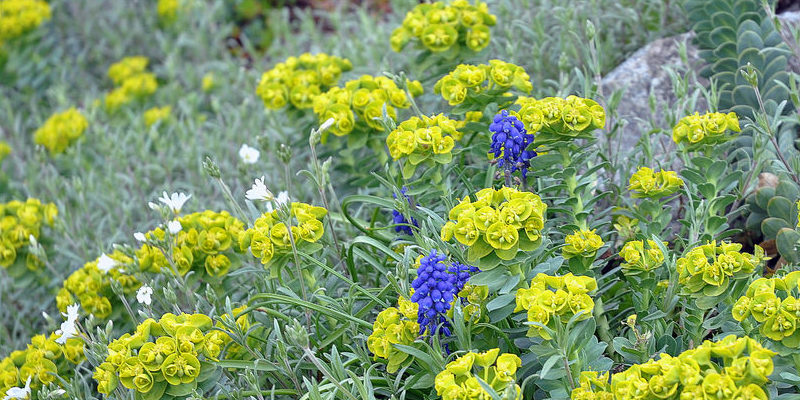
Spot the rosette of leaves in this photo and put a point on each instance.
(44, 361)
(730, 368)
(359, 106)
(552, 300)
(773, 212)
(423, 141)
(208, 244)
(297, 81)
(19, 221)
(473, 87)
(91, 288)
(167, 359)
(394, 326)
(439, 26)
(459, 379)
(774, 304)
(707, 271)
(498, 225)
(269, 238)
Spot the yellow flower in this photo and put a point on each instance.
(156, 114)
(583, 243)
(648, 183)
(208, 82)
(5, 150)
(61, 130)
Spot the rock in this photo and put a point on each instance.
(644, 74)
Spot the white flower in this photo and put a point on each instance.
(139, 236)
(249, 155)
(174, 227)
(19, 393)
(325, 125)
(106, 263)
(282, 199)
(32, 239)
(259, 191)
(143, 295)
(174, 202)
(68, 328)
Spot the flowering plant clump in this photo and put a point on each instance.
(132, 81)
(18, 17)
(156, 114)
(549, 296)
(403, 224)
(435, 289)
(394, 325)
(440, 27)
(426, 140)
(61, 130)
(707, 129)
(497, 225)
(510, 142)
(468, 82)
(19, 222)
(205, 242)
(583, 243)
(706, 271)
(561, 119)
(91, 285)
(170, 356)
(43, 362)
(640, 260)
(299, 80)
(650, 184)
(774, 303)
(457, 381)
(366, 98)
(269, 237)
(168, 9)
(732, 368)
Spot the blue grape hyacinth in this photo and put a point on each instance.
(403, 224)
(510, 143)
(435, 288)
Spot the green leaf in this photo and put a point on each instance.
(183, 389)
(781, 207)
(478, 250)
(770, 227)
(548, 365)
(786, 242)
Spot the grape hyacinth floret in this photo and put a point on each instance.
(435, 288)
(510, 142)
(403, 224)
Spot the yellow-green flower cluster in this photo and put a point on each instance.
(706, 129)
(560, 119)
(707, 270)
(43, 361)
(424, 139)
(269, 237)
(132, 81)
(646, 183)
(394, 325)
(775, 304)
(364, 97)
(18, 222)
(583, 243)
(550, 296)
(91, 287)
(732, 368)
(499, 223)
(206, 244)
(20, 16)
(171, 352)
(299, 80)
(467, 81)
(61, 130)
(5, 150)
(639, 260)
(458, 382)
(439, 26)
(474, 297)
(167, 9)
(156, 114)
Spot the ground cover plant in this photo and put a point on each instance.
(256, 200)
